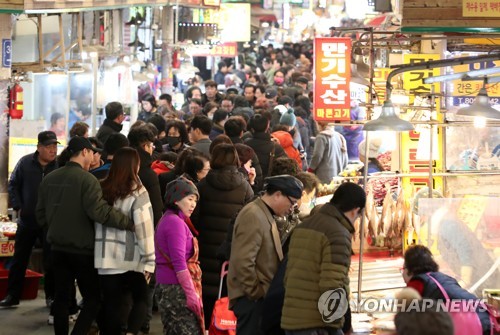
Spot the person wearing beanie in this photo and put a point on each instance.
(374, 164)
(288, 118)
(319, 257)
(178, 274)
(256, 248)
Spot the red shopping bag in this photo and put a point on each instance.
(223, 320)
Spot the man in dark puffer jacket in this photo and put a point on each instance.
(319, 258)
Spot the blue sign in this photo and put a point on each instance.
(6, 52)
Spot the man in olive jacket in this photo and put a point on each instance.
(319, 258)
(69, 201)
(256, 250)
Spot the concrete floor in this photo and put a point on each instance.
(30, 318)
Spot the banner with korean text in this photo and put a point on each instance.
(332, 74)
(413, 161)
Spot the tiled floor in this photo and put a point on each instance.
(30, 318)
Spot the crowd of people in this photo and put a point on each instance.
(145, 220)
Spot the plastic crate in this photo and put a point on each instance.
(31, 282)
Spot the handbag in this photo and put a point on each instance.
(223, 320)
(464, 322)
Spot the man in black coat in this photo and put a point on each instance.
(265, 148)
(142, 139)
(113, 122)
(23, 194)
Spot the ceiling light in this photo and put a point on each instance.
(388, 121)
(480, 107)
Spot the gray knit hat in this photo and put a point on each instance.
(288, 118)
(178, 189)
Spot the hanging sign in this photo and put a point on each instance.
(480, 8)
(227, 50)
(411, 162)
(465, 92)
(332, 74)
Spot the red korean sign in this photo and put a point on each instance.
(332, 74)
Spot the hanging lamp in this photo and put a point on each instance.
(480, 107)
(388, 120)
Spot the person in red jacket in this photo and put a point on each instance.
(286, 141)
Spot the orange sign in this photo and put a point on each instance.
(332, 74)
(228, 49)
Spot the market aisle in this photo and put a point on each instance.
(30, 318)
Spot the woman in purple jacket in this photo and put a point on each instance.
(178, 274)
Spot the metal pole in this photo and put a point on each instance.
(362, 225)
(431, 164)
(95, 66)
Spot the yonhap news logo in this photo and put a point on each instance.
(333, 304)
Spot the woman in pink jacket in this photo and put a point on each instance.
(178, 274)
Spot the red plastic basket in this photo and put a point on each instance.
(31, 282)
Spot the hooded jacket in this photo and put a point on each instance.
(286, 142)
(329, 156)
(223, 192)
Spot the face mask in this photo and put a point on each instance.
(279, 81)
(173, 141)
(211, 116)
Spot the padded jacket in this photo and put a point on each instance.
(69, 201)
(223, 192)
(262, 144)
(319, 257)
(23, 186)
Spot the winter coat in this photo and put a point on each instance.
(223, 192)
(150, 181)
(329, 156)
(286, 142)
(256, 252)
(23, 186)
(263, 146)
(216, 131)
(454, 291)
(126, 250)
(319, 257)
(108, 128)
(69, 202)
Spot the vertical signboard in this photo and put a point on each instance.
(332, 74)
(410, 140)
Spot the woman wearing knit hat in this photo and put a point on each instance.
(178, 274)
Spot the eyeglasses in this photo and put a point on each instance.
(292, 202)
